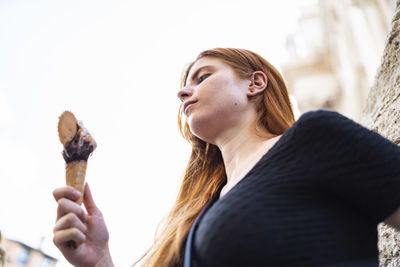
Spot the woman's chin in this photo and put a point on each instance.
(202, 129)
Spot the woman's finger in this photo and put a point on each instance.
(88, 201)
(70, 220)
(66, 206)
(64, 237)
(66, 192)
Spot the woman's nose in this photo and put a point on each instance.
(184, 93)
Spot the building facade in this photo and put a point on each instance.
(2, 254)
(18, 254)
(334, 52)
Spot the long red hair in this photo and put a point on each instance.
(205, 171)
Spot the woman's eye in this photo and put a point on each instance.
(203, 77)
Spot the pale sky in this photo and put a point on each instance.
(117, 66)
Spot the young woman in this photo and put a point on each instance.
(260, 189)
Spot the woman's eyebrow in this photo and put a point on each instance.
(200, 69)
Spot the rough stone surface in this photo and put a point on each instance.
(382, 114)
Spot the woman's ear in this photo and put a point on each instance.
(258, 83)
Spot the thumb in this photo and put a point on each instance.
(88, 201)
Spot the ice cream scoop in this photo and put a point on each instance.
(78, 145)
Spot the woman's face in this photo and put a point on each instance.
(215, 98)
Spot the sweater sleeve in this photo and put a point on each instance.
(357, 166)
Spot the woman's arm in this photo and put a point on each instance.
(360, 167)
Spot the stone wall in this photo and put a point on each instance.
(382, 114)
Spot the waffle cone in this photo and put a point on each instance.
(75, 176)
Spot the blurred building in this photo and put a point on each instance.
(334, 51)
(18, 254)
(2, 254)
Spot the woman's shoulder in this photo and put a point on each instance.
(329, 128)
(321, 121)
(322, 117)
(324, 128)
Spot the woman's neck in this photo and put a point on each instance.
(241, 149)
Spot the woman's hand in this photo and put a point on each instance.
(82, 238)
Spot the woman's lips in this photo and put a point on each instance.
(186, 105)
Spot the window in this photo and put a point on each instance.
(46, 262)
(23, 256)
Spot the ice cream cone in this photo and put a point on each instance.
(78, 145)
(75, 176)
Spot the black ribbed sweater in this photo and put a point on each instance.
(314, 199)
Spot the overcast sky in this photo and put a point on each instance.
(117, 66)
